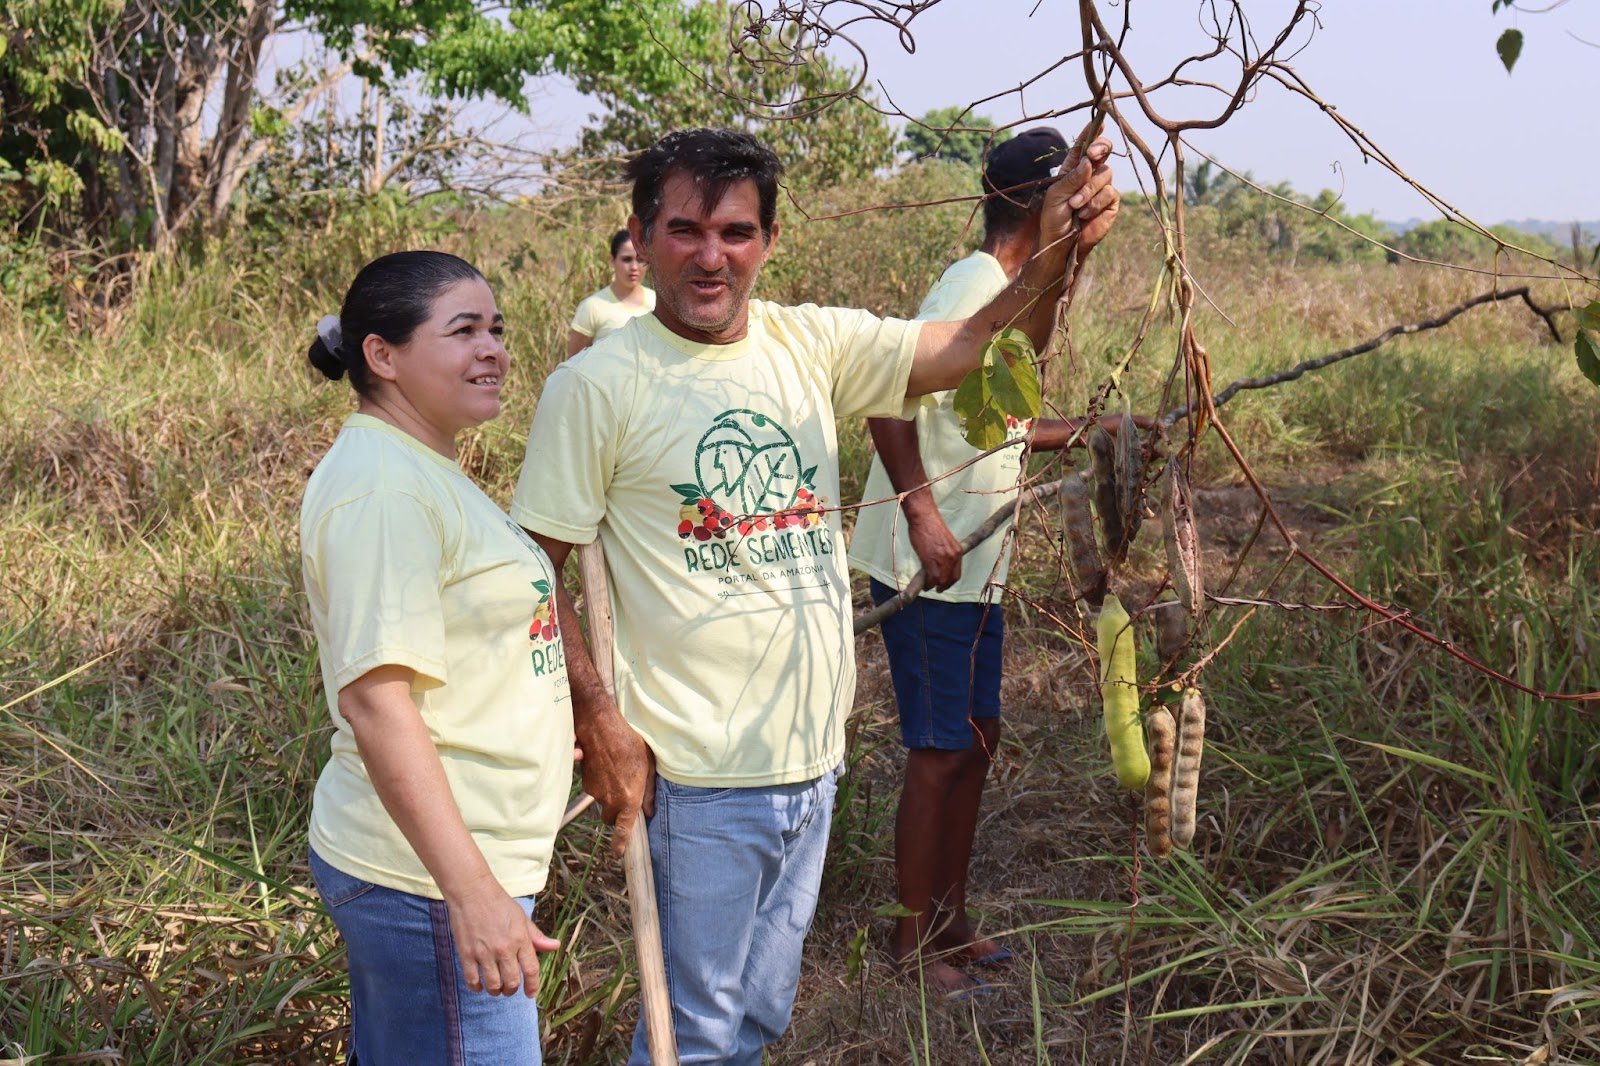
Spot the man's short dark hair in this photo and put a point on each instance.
(717, 160)
(1015, 176)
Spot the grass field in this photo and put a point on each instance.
(1398, 859)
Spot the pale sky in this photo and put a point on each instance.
(1421, 77)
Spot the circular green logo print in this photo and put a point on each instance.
(748, 464)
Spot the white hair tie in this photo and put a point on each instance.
(328, 330)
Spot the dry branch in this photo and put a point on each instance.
(1405, 329)
(1003, 514)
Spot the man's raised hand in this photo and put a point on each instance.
(1082, 196)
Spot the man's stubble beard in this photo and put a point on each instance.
(684, 312)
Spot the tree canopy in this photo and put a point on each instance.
(951, 133)
(137, 118)
(698, 76)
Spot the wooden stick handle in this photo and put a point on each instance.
(654, 1003)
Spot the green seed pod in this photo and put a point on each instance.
(1119, 694)
(1186, 771)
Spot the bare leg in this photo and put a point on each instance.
(921, 827)
(954, 931)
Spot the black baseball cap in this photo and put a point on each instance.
(1032, 155)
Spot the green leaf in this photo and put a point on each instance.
(1510, 47)
(1588, 352)
(1013, 380)
(981, 424)
(1589, 317)
(690, 493)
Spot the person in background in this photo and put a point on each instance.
(698, 443)
(945, 647)
(610, 307)
(433, 822)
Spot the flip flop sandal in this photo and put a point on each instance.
(995, 959)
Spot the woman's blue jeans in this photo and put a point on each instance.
(409, 1004)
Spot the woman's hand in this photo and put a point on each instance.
(497, 944)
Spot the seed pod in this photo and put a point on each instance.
(1183, 539)
(1130, 476)
(1119, 694)
(1083, 555)
(1172, 631)
(1107, 501)
(1186, 771)
(1162, 732)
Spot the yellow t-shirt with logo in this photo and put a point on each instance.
(601, 312)
(705, 469)
(881, 543)
(406, 562)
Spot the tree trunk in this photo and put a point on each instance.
(202, 55)
(227, 147)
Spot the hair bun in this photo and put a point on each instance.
(325, 359)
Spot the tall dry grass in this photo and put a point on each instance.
(1397, 859)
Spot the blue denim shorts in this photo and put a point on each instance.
(409, 1003)
(945, 659)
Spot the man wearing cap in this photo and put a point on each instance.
(945, 647)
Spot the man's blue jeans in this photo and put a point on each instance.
(737, 873)
(409, 1004)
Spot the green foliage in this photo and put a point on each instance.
(1587, 344)
(952, 133)
(77, 82)
(691, 73)
(1233, 209)
(1509, 47)
(1003, 390)
(1444, 240)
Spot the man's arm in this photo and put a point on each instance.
(931, 539)
(618, 767)
(1082, 196)
(1053, 434)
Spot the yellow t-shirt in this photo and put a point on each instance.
(881, 544)
(408, 563)
(704, 469)
(601, 312)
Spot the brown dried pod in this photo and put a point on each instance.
(1103, 461)
(1172, 631)
(1083, 555)
(1186, 771)
(1162, 732)
(1130, 477)
(1183, 539)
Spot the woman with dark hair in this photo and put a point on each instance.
(433, 822)
(610, 307)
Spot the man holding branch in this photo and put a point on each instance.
(945, 647)
(698, 443)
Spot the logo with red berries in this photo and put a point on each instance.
(544, 626)
(749, 478)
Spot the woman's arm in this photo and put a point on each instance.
(496, 942)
